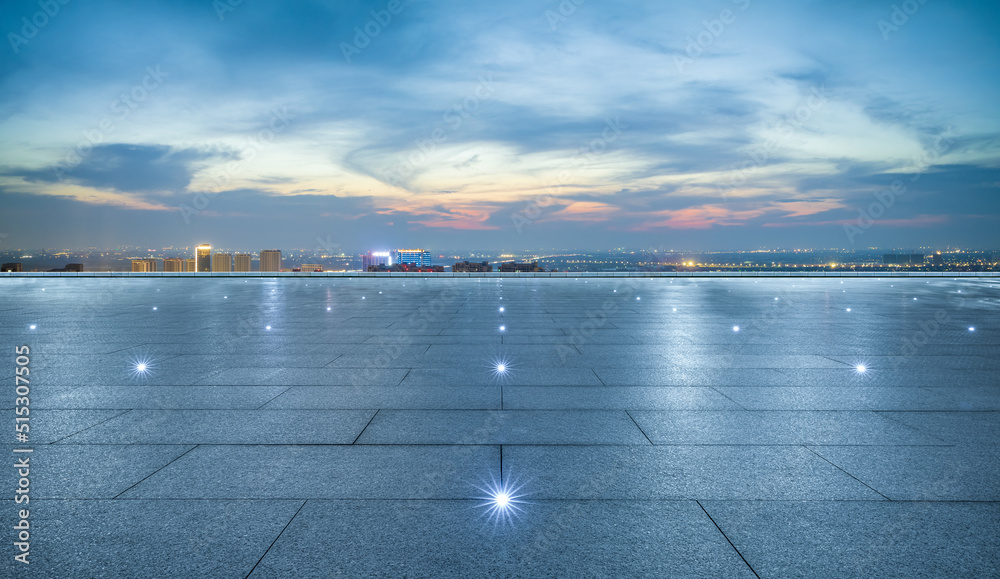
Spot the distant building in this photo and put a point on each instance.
(144, 265)
(11, 267)
(222, 262)
(466, 266)
(242, 262)
(375, 258)
(70, 267)
(189, 264)
(270, 260)
(405, 268)
(173, 264)
(203, 258)
(512, 266)
(311, 267)
(937, 259)
(417, 257)
(903, 259)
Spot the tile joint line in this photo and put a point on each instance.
(639, 427)
(366, 425)
(268, 550)
(727, 539)
(845, 472)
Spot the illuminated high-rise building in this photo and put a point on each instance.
(173, 264)
(375, 258)
(189, 264)
(417, 257)
(144, 265)
(311, 267)
(203, 258)
(270, 260)
(222, 262)
(242, 262)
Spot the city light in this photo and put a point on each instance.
(32, 327)
(971, 328)
(141, 367)
(503, 328)
(500, 368)
(736, 328)
(860, 368)
(501, 501)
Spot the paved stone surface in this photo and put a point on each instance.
(863, 539)
(647, 427)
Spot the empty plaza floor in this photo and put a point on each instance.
(640, 427)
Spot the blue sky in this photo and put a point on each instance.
(689, 125)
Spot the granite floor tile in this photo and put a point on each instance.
(703, 472)
(90, 472)
(389, 397)
(921, 473)
(863, 539)
(111, 539)
(333, 472)
(228, 427)
(776, 427)
(502, 427)
(842, 398)
(552, 539)
(615, 397)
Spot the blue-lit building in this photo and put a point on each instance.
(417, 257)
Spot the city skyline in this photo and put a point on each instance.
(175, 260)
(575, 124)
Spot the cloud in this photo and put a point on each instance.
(414, 95)
(126, 168)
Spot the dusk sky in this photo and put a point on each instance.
(730, 124)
